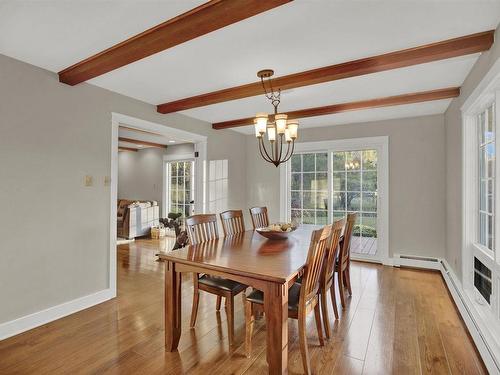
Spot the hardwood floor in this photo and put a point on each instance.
(399, 321)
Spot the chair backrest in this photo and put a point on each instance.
(345, 245)
(232, 222)
(314, 264)
(259, 217)
(332, 249)
(202, 228)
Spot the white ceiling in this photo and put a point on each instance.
(302, 35)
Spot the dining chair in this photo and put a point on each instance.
(232, 222)
(327, 282)
(202, 228)
(302, 298)
(259, 217)
(343, 265)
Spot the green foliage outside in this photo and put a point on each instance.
(364, 230)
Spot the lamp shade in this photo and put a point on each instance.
(260, 123)
(280, 122)
(293, 126)
(271, 133)
(287, 135)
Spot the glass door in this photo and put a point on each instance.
(354, 189)
(180, 187)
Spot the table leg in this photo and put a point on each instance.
(276, 310)
(172, 307)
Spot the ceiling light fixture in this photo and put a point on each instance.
(281, 132)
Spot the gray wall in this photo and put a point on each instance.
(140, 174)
(416, 179)
(453, 125)
(54, 240)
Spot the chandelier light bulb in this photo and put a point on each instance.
(287, 136)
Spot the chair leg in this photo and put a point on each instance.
(334, 301)
(348, 279)
(230, 318)
(219, 300)
(303, 343)
(194, 311)
(249, 322)
(341, 288)
(317, 317)
(324, 311)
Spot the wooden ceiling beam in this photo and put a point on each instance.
(461, 46)
(416, 97)
(121, 148)
(143, 143)
(199, 21)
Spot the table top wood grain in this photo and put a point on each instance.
(249, 254)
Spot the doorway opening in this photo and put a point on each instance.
(140, 152)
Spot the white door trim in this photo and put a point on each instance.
(381, 144)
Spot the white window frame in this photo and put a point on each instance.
(486, 93)
(381, 145)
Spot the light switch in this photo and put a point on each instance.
(107, 180)
(89, 181)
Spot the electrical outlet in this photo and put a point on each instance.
(89, 181)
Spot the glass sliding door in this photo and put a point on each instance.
(309, 188)
(354, 183)
(180, 187)
(326, 180)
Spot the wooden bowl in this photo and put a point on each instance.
(274, 235)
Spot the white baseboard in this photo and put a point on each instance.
(39, 318)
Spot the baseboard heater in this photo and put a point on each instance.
(465, 310)
(415, 261)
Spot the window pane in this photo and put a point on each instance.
(339, 201)
(369, 202)
(296, 199)
(321, 217)
(297, 163)
(490, 222)
(322, 200)
(370, 181)
(353, 181)
(308, 217)
(338, 181)
(296, 181)
(322, 162)
(308, 181)
(308, 162)
(482, 196)
(321, 181)
(490, 193)
(353, 160)
(369, 225)
(353, 201)
(309, 200)
(339, 161)
(369, 159)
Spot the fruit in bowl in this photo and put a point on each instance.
(277, 231)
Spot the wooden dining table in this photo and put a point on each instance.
(268, 265)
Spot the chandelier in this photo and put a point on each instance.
(281, 133)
